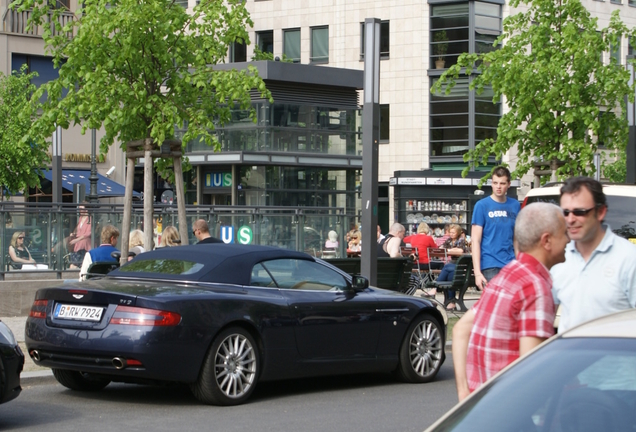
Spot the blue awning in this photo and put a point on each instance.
(106, 188)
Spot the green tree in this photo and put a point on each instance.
(140, 69)
(550, 71)
(21, 154)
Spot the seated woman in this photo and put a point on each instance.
(170, 237)
(18, 252)
(455, 246)
(354, 242)
(422, 241)
(332, 240)
(136, 243)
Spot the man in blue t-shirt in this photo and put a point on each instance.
(493, 228)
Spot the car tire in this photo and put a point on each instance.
(230, 370)
(79, 381)
(421, 352)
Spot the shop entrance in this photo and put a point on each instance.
(217, 199)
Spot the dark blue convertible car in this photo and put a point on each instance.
(223, 317)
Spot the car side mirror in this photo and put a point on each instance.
(358, 283)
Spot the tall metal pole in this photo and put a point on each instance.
(630, 149)
(56, 162)
(370, 139)
(93, 178)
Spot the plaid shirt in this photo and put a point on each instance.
(516, 303)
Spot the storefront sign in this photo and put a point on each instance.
(218, 179)
(412, 181)
(439, 181)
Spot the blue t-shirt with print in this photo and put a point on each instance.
(498, 223)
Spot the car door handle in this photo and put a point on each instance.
(304, 307)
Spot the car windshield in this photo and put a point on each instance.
(162, 266)
(620, 214)
(578, 384)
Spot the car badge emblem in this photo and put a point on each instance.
(78, 296)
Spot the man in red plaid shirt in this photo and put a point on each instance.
(516, 311)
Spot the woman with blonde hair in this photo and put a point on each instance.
(170, 237)
(18, 252)
(136, 243)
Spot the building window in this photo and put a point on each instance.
(238, 52)
(319, 45)
(384, 40)
(617, 1)
(615, 52)
(384, 123)
(182, 3)
(632, 2)
(452, 34)
(291, 44)
(265, 41)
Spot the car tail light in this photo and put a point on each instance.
(38, 309)
(127, 315)
(525, 201)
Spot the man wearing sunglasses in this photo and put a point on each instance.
(598, 276)
(201, 231)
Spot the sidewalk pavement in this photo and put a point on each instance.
(33, 374)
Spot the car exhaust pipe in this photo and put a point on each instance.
(35, 355)
(119, 363)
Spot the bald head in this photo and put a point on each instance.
(533, 221)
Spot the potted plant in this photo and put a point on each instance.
(440, 48)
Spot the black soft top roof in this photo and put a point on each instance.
(222, 263)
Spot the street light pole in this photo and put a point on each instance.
(370, 139)
(92, 195)
(56, 162)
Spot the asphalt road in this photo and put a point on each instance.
(352, 403)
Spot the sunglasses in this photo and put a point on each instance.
(577, 212)
(194, 232)
(21, 238)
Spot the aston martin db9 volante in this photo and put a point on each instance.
(223, 317)
(11, 364)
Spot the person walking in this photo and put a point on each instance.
(516, 312)
(201, 231)
(493, 227)
(598, 276)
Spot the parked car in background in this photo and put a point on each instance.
(583, 380)
(11, 364)
(222, 317)
(621, 203)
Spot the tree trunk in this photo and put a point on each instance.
(128, 196)
(148, 194)
(178, 180)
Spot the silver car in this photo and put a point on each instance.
(582, 380)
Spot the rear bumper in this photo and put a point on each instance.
(12, 360)
(166, 354)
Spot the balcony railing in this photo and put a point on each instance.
(15, 22)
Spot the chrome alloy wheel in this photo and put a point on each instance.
(425, 348)
(235, 366)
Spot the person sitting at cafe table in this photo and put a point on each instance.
(18, 252)
(455, 246)
(103, 253)
(355, 242)
(391, 245)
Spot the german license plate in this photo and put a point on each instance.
(77, 312)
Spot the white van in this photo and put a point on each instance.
(621, 205)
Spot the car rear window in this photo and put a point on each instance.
(162, 266)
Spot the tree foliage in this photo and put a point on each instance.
(563, 100)
(21, 154)
(141, 68)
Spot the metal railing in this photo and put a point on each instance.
(16, 22)
(48, 227)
